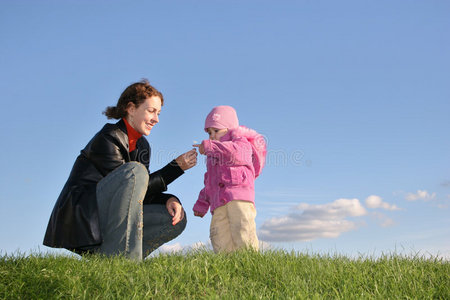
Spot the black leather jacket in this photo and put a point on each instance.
(74, 222)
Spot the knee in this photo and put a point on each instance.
(138, 170)
(180, 226)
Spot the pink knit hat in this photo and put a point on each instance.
(222, 117)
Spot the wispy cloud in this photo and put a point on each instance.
(383, 220)
(374, 201)
(444, 204)
(309, 222)
(446, 183)
(420, 195)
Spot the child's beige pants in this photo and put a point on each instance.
(233, 227)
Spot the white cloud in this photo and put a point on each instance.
(420, 195)
(387, 222)
(263, 246)
(374, 201)
(309, 222)
(166, 248)
(177, 248)
(383, 220)
(199, 246)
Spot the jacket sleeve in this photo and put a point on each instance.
(235, 152)
(105, 153)
(202, 203)
(159, 180)
(160, 198)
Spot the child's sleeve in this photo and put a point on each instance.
(202, 204)
(236, 152)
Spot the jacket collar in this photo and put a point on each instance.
(226, 137)
(122, 126)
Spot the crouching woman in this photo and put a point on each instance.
(111, 203)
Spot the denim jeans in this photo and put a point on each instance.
(128, 226)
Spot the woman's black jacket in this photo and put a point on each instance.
(74, 222)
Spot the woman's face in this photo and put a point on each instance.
(145, 116)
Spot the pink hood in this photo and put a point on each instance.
(258, 143)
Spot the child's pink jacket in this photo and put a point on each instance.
(232, 165)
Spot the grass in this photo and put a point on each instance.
(241, 275)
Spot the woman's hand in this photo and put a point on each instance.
(198, 214)
(187, 160)
(175, 210)
(200, 147)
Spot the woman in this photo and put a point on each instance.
(111, 204)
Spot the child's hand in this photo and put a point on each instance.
(199, 214)
(200, 147)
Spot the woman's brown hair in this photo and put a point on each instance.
(136, 93)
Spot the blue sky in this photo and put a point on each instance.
(353, 98)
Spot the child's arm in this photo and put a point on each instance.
(202, 205)
(237, 152)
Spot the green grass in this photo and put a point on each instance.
(241, 275)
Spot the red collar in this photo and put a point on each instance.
(133, 136)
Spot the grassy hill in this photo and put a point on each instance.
(241, 275)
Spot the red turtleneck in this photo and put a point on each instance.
(133, 136)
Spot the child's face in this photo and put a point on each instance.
(215, 134)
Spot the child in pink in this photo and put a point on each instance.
(235, 157)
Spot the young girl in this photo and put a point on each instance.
(235, 157)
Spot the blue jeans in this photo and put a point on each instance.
(128, 226)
